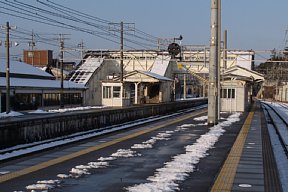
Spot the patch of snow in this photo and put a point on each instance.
(77, 109)
(39, 187)
(11, 114)
(106, 158)
(51, 182)
(79, 171)
(84, 167)
(202, 118)
(142, 146)
(63, 176)
(4, 172)
(150, 141)
(125, 153)
(97, 165)
(280, 157)
(39, 111)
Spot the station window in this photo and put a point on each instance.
(227, 93)
(116, 91)
(107, 92)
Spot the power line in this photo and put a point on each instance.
(68, 14)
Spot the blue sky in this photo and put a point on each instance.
(251, 24)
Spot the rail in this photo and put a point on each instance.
(279, 123)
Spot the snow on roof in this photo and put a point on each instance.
(85, 71)
(42, 83)
(23, 68)
(156, 76)
(161, 64)
(242, 71)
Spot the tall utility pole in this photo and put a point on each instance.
(219, 58)
(213, 67)
(7, 44)
(225, 50)
(61, 67)
(121, 50)
(81, 46)
(32, 45)
(115, 27)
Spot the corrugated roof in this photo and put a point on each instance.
(85, 70)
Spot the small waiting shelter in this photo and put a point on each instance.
(236, 88)
(138, 87)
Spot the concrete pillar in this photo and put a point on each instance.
(185, 87)
(136, 93)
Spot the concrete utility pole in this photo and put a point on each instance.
(81, 45)
(219, 58)
(213, 67)
(128, 27)
(32, 45)
(121, 50)
(7, 44)
(61, 66)
(225, 50)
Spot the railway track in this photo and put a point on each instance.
(280, 123)
(25, 149)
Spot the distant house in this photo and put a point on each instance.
(31, 88)
(38, 58)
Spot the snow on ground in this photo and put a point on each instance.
(106, 158)
(167, 178)
(63, 176)
(39, 111)
(88, 134)
(44, 185)
(202, 118)
(279, 153)
(77, 109)
(280, 156)
(125, 153)
(11, 114)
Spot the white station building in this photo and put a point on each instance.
(154, 77)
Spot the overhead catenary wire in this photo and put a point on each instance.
(70, 17)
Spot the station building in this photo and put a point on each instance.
(32, 88)
(154, 77)
(148, 77)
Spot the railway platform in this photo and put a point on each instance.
(250, 165)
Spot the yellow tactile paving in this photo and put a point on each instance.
(40, 166)
(227, 174)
